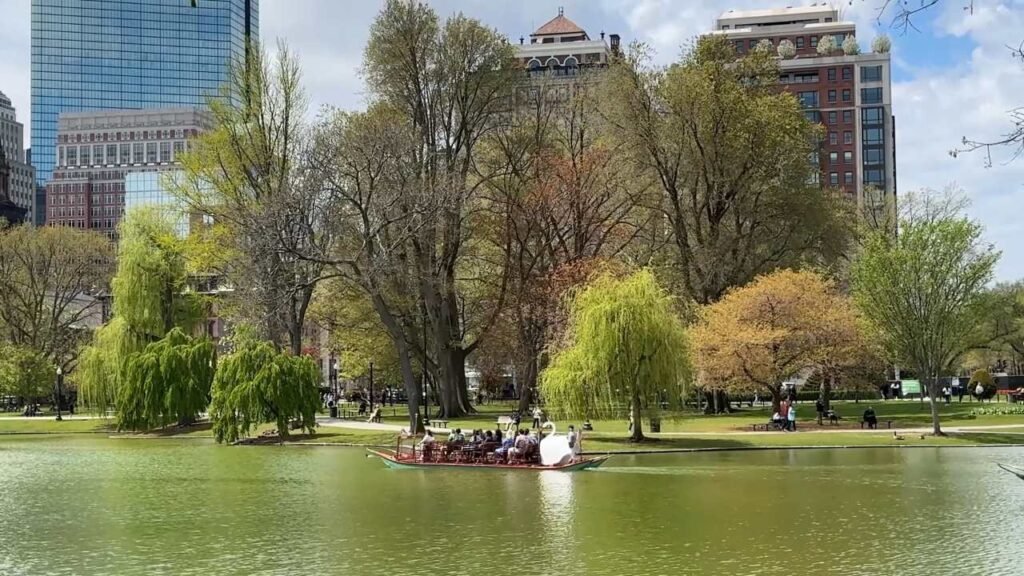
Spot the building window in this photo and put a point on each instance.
(179, 148)
(831, 117)
(165, 151)
(137, 155)
(873, 156)
(847, 95)
(740, 46)
(847, 116)
(833, 158)
(111, 154)
(847, 73)
(799, 42)
(870, 95)
(86, 159)
(848, 137)
(812, 116)
(872, 136)
(833, 178)
(126, 154)
(814, 41)
(753, 43)
(848, 178)
(847, 157)
(870, 73)
(808, 99)
(831, 74)
(832, 95)
(874, 176)
(151, 152)
(871, 116)
(833, 138)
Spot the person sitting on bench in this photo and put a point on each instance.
(870, 419)
(833, 418)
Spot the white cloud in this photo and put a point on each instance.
(935, 109)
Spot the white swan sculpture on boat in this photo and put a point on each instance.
(554, 448)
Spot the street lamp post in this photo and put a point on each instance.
(60, 382)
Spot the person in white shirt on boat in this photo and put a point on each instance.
(574, 442)
(428, 440)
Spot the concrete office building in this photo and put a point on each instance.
(98, 151)
(19, 184)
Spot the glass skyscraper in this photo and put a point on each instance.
(129, 54)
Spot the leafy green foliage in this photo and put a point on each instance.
(169, 382)
(923, 289)
(148, 302)
(25, 373)
(626, 345)
(258, 384)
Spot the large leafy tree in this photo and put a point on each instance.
(923, 290)
(150, 299)
(782, 325)
(51, 283)
(167, 383)
(248, 174)
(625, 346)
(25, 373)
(257, 383)
(730, 152)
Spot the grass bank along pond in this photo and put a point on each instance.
(87, 505)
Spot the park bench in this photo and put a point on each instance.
(437, 423)
(375, 415)
(888, 423)
(766, 426)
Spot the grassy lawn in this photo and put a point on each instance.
(904, 414)
(47, 425)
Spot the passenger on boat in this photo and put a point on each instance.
(521, 447)
(488, 437)
(456, 437)
(574, 441)
(497, 435)
(428, 440)
(502, 453)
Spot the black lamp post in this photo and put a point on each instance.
(60, 382)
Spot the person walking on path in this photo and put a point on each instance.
(791, 418)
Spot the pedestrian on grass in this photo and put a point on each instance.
(791, 418)
(819, 407)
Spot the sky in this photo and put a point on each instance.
(952, 77)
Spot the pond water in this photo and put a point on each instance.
(142, 507)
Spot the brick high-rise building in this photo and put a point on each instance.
(97, 151)
(847, 91)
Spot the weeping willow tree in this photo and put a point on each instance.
(258, 384)
(625, 345)
(169, 382)
(148, 302)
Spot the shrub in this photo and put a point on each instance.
(786, 49)
(826, 46)
(881, 44)
(850, 46)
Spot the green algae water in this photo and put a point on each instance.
(84, 506)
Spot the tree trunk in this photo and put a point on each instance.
(637, 433)
(776, 392)
(413, 389)
(718, 404)
(527, 384)
(825, 391)
(933, 384)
